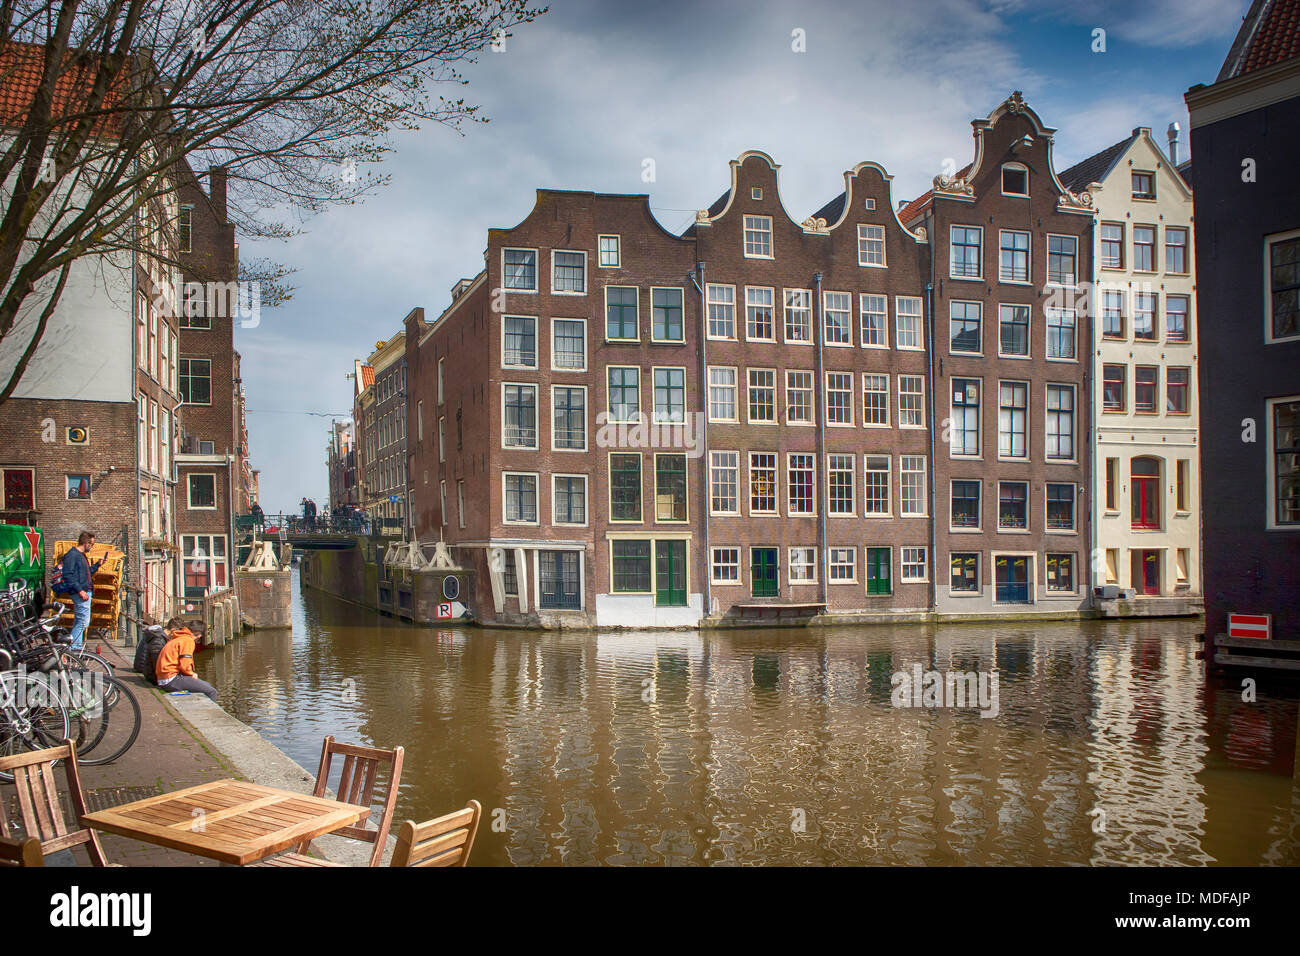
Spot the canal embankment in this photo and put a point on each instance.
(186, 740)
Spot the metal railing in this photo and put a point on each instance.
(283, 525)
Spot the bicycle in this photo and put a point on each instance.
(105, 710)
(102, 711)
(31, 716)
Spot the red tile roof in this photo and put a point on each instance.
(914, 208)
(21, 68)
(367, 376)
(1269, 34)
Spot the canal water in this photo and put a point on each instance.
(785, 746)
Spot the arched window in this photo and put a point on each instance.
(1015, 179)
(1145, 488)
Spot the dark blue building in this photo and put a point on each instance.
(1245, 138)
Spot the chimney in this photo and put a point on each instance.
(217, 190)
(1172, 132)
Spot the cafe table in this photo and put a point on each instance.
(230, 821)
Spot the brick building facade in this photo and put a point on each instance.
(1010, 247)
(213, 473)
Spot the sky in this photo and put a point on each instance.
(580, 98)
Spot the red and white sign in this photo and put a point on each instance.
(1250, 625)
(450, 610)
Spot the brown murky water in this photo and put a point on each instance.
(783, 746)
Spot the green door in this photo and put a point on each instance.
(762, 572)
(878, 571)
(670, 573)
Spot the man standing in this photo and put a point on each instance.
(75, 579)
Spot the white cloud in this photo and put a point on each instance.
(582, 96)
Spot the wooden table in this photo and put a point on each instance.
(227, 820)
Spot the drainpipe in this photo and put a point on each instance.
(704, 438)
(1089, 378)
(929, 347)
(131, 627)
(820, 391)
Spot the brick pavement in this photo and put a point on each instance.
(168, 755)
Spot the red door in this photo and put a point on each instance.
(1150, 572)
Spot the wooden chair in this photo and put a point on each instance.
(358, 786)
(446, 841)
(38, 802)
(21, 852)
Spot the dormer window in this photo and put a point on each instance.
(1015, 180)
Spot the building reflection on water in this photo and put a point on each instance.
(783, 747)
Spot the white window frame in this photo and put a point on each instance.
(189, 491)
(852, 402)
(889, 418)
(776, 483)
(714, 564)
(807, 562)
(901, 379)
(899, 327)
(574, 252)
(711, 302)
(1029, 256)
(776, 399)
(865, 237)
(537, 416)
(537, 504)
(618, 251)
(847, 311)
(832, 564)
(804, 296)
(566, 369)
(506, 365)
(1269, 242)
(1270, 465)
(812, 510)
(979, 276)
(853, 482)
(863, 312)
(771, 306)
(759, 226)
(1074, 420)
(586, 415)
(537, 272)
(714, 467)
(811, 392)
(734, 388)
(921, 496)
(888, 472)
(1002, 182)
(586, 501)
(903, 576)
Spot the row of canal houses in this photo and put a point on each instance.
(980, 402)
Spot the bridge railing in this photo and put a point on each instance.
(283, 525)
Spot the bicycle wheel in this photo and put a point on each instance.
(111, 721)
(31, 717)
(88, 662)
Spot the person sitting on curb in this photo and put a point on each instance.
(175, 667)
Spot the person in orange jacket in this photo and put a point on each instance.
(175, 666)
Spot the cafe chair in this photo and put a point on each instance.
(359, 785)
(446, 841)
(21, 852)
(39, 806)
